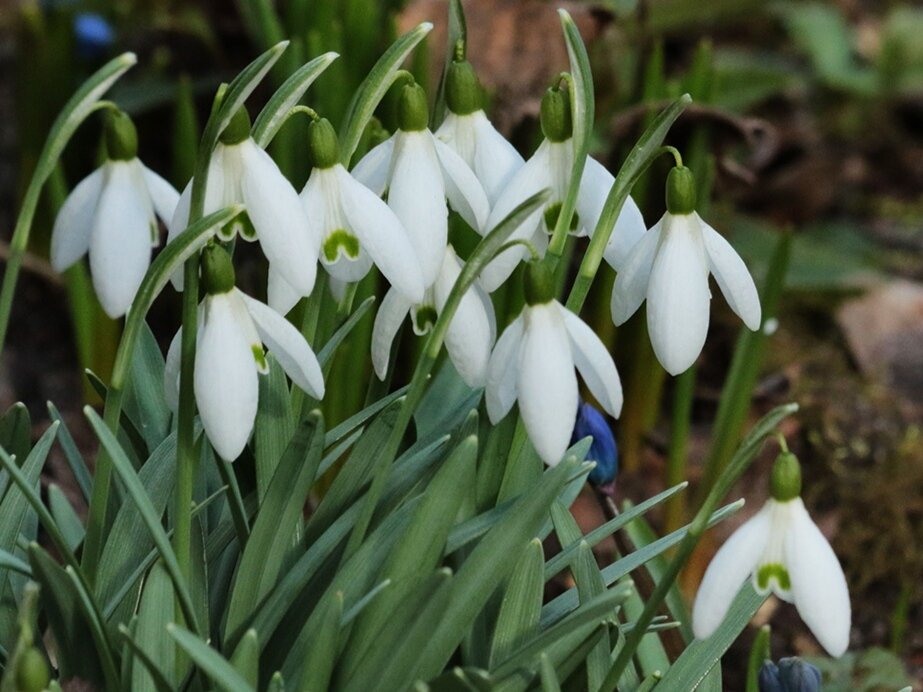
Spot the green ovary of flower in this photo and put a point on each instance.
(341, 240)
(773, 570)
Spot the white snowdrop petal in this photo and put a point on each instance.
(728, 571)
(164, 196)
(171, 372)
(120, 240)
(417, 197)
(280, 295)
(374, 168)
(382, 235)
(468, 338)
(462, 188)
(591, 196)
(678, 298)
(547, 386)
(287, 346)
(628, 231)
(393, 310)
(732, 276)
(275, 210)
(818, 585)
(495, 159)
(176, 225)
(70, 236)
(226, 385)
(594, 363)
(632, 281)
(502, 370)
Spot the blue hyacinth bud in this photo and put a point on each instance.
(791, 675)
(591, 422)
(93, 33)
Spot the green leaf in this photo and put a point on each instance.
(320, 656)
(10, 561)
(279, 107)
(16, 430)
(155, 612)
(270, 540)
(701, 655)
(145, 402)
(139, 496)
(214, 665)
(521, 607)
(274, 426)
(101, 641)
(374, 87)
(157, 676)
(549, 678)
(246, 658)
(447, 400)
(65, 517)
(74, 459)
(487, 566)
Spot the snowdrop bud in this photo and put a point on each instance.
(592, 423)
(412, 110)
(538, 283)
(680, 191)
(323, 144)
(32, 671)
(462, 88)
(557, 125)
(238, 129)
(121, 137)
(785, 483)
(217, 270)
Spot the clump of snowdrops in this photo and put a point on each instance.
(213, 557)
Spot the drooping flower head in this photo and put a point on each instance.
(471, 135)
(471, 332)
(550, 168)
(232, 331)
(355, 227)
(419, 173)
(533, 363)
(783, 552)
(241, 172)
(669, 267)
(112, 215)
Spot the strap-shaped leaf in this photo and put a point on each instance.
(155, 612)
(521, 607)
(221, 672)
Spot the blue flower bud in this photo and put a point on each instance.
(590, 422)
(93, 33)
(791, 675)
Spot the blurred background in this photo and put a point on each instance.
(808, 121)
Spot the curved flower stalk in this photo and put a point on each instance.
(112, 215)
(533, 362)
(470, 335)
(241, 172)
(550, 167)
(467, 130)
(356, 228)
(784, 552)
(419, 173)
(232, 331)
(669, 267)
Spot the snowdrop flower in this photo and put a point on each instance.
(471, 332)
(241, 172)
(669, 267)
(355, 226)
(550, 167)
(419, 173)
(111, 215)
(533, 362)
(786, 554)
(470, 134)
(232, 329)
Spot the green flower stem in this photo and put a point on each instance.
(741, 461)
(758, 653)
(80, 106)
(642, 155)
(675, 507)
(485, 251)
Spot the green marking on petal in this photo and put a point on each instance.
(424, 318)
(341, 240)
(259, 355)
(773, 572)
(155, 235)
(552, 212)
(245, 227)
